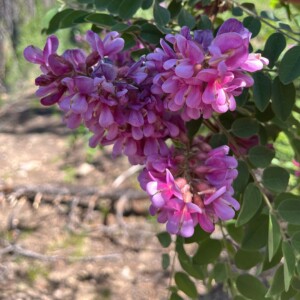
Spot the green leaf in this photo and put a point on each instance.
(101, 4)
(261, 156)
(192, 127)
(245, 127)
(188, 266)
(164, 238)
(236, 233)
(284, 196)
(296, 283)
(262, 90)
(289, 68)
(274, 262)
(129, 39)
(104, 20)
(56, 20)
(174, 8)
(175, 296)
(203, 256)
(275, 44)
(283, 99)
(127, 10)
(252, 200)
(253, 24)
(204, 22)
(274, 237)
(218, 139)
(185, 284)
(289, 210)
(147, 4)
(165, 261)
(161, 14)
(150, 33)
(75, 17)
(256, 234)
(288, 265)
(245, 259)
(220, 273)
(186, 19)
(198, 236)
(277, 286)
(296, 241)
(275, 179)
(113, 6)
(241, 181)
(268, 14)
(250, 287)
(242, 99)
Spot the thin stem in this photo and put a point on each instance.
(250, 13)
(172, 271)
(228, 264)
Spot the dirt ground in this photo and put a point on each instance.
(62, 233)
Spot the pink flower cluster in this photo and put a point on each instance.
(201, 74)
(191, 186)
(140, 107)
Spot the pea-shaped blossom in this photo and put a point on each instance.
(191, 186)
(201, 74)
(108, 92)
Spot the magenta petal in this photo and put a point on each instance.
(173, 223)
(151, 188)
(59, 65)
(187, 228)
(135, 118)
(215, 195)
(169, 63)
(51, 46)
(79, 104)
(51, 99)
(106, 118)
(84, 84)
(170, 85)
(34, 55)
(158, 200)
(114, 47)
(206, 223)
(184, 70)
(223, 211)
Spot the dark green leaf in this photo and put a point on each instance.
(293, 229)
(237, 11)
(192, 127)
(147, 4)
(101, 19)
(245, 127)
(218, 139)
(236, 233)
(204, 22)
(73, 18)
(54, 23)
(186, 19)
(220, 273)
(296, 241)
(185, 284)
(274, 262)
(101, 4)
(253, 24)
(249, 6)
(262, 90)
(136, 55)
(245, 259)
(203, 256)
(277, 286)
(86, 1)
(161, 15)
(274, 236)
(285, 196)
(113, 6)
(250, 287)
(198, 236)
(290, 295)
(296, 283)
(268, 14)
(252, 200)
(289, 210)
(265, 116)
(261, 156)
(288, 265)
(275, 179)
(189, 267)
(150, 33)
(175, 296)
(129, 39)
(241, 181)
(274, 46)
(289, 68)
(164, 239)
(256, 234)
(127, 10)
(174, 8)
(283, 99)
(242, 99)
(285, 26)
(165, 261)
